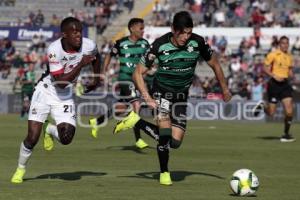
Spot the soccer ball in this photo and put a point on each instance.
(244, 182)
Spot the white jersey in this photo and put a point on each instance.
(62, 62)
(49, 99)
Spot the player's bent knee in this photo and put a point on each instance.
(175, 144)
(28, 144)
(31, 140)
(66, 133)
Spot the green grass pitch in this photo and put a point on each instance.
(111, 168)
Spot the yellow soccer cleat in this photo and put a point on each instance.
(18, 175)
(141, 144)
(128, 122)
(95, 128)
(48, 139)
(165, 178)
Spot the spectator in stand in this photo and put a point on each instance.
(257, 36)
(296, 46)
(35, 42)
(274, 43)
(55, 21)
(257, 89)
(39, 19)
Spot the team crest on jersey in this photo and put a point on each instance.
(52, 55)
(190, 49)
(64, 59)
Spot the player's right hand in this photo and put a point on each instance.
(226, 95)
(86, 59)
(151, 103)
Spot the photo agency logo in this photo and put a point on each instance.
(115, 99)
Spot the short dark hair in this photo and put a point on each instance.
(283, 38)
(134, 21)
(182, 20)
(67, 21)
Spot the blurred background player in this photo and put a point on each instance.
(129, 50)
(27, 88)
(279, 67)
(177, 54)
(53, 92)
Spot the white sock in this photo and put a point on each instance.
(52, 130)
(24, 156)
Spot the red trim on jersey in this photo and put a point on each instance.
(61, 71)
(71, 51)
(54, 62)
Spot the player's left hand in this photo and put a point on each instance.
(91, 87)
(226, 95)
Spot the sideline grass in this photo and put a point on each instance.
(111, 168)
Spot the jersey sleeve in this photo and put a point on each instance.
(115, 50)
(205, 51)
(150, 56)
(269, 59)
(55, 66)
(93, 49)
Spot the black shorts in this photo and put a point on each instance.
(175, 104)
(128, 93)
(278, 90)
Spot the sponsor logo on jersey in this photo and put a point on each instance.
(52, 55)
(72, 57)
(165, 52)
(33, 111)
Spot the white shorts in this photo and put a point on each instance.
(44, 102)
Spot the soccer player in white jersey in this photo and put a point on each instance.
(53, 92)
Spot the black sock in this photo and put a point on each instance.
(163, 149)
(137, 133)
(22, 112)
(149, 128)
(287, 124)
(101, 118)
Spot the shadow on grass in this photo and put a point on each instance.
(130, 148)
(235, 195)
(268, 138)
(175, 175)
(69, 176)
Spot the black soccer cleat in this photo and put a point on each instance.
(287, 138)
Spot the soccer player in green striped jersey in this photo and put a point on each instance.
(177, 54)
(129, 51)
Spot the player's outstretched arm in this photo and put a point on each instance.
(215, 65)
